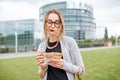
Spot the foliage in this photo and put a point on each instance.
(99, 41)
(119, 38)
(106, 35)
(10, 39)
(0, 34)
(3, 50)
(89, 43)
(2, 39)
(85, 41)
(112, 39)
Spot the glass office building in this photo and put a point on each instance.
(25, 33)
(79, 22)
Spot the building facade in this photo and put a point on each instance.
(25, 30)
(79, 22)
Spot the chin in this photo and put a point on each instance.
(52, 33)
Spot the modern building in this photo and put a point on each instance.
(24, 29)
(79, 21)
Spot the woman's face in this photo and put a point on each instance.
(53, 24)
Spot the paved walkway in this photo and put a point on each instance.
(16, 55)
(27, 54)
(96, 48)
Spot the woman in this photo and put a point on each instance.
(70, 63)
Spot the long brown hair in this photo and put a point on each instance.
(62, 23)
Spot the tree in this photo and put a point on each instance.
(119, 38)
(112, 39)
(0, 34)
(2, 39)
(106, 35)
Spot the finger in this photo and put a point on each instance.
(56, 65)
(56, 60)
(43, 64)
(39, 57)
(40, 62)
(40, 54)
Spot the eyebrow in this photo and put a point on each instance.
(51, 20)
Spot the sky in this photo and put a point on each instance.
(106, 12)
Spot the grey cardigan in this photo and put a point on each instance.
(71, 56)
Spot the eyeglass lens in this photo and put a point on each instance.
(50, 23)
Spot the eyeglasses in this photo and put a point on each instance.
(49, 23)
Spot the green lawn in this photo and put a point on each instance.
(100, 65)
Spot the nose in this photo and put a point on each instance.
(53, 25)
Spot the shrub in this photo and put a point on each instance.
(4, 50)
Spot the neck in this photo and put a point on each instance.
(53, 38)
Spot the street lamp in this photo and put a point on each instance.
(16, 37)
(16, 44)
(116, 39)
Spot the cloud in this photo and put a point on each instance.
(106, 12)
(107, 15)
(106, 4)
(28, 1)
(15, 10)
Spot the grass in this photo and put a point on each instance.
(18, 69)
(100, 65)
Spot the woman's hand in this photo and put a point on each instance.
(40, 59)
(57, 63)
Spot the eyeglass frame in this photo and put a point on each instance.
(53, 23)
